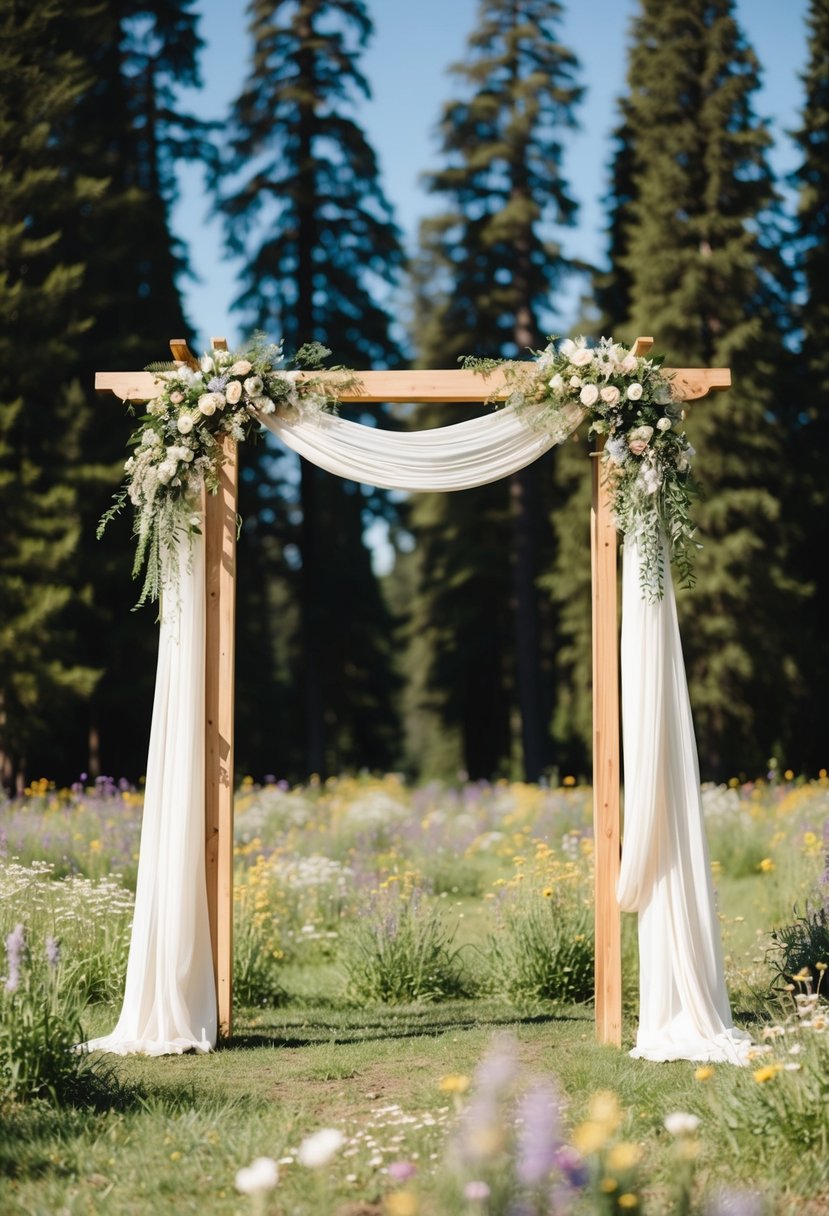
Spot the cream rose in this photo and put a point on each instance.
(575, 382)
(589, 395)
(609, 394)
(233, 392)
(176, 398)
(242, 368)
(629, 365)
(639, 438)
(664, 424)
(634, 392)
(184, 424)
(581, 357)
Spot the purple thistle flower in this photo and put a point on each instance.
(539, 1134)
(52, 951)
(15, 950)
(217, 384)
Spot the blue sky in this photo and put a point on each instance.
(415, 41)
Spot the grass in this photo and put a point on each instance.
(170, 1134)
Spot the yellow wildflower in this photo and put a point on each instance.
(766, 865)
(454, 1083)
(608, 1185)
(604, 1109)
(767, 1073)
(590, 1137)
(703, 1073)
(401, 1203)
(624, 1156)
(547, 892)
(628, 1200)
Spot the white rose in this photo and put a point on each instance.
(242, 368)
(176, 398)
(184, 424)
(575, 382)
(233, 392)
(629, 365)
(589, 395)
(254, 386)
(260, 1176)
(209, 403)
(206, 364)
(581, 357)
(664, 424)
(166, 472)
(557, 383)
(264, 405)
(609, 394)
(634, 392)
(318, 1149)
(567, 347)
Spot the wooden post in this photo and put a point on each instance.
(220, 583)
(606, 752)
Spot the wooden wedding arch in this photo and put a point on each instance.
(220, 555)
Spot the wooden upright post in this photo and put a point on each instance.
(606, 753)
(220, 580)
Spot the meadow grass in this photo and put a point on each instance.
(308, 1053)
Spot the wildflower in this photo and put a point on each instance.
(767, 1073)
(590, 1137)
(401, 1203)
(538, 1138)
(628, 1201)
(259, 1177)
(402, 1171)
(624, 1156)
(569, 780)
(703, 1073)
(681, 1124)
(547, 892)
(454, 1083)
(476, 1191)
(15, 950)
(318, 1149)
(571, 1166)
(766, 866)
(52, 951)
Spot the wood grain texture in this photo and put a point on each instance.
(606, 762)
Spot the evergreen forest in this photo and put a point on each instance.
(471, 655)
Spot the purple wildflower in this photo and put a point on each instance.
(15, 950)
(571, 1166)
(402, 1171)
(52, 950)
(476, 1190)
(496, 1072)
(539, 1134)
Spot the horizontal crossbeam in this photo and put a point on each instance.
(373, 388)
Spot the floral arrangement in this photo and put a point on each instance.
(647, 457)
(178, 441)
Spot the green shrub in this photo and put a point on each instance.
(797, 950)
(256, 963)
(400, 950)
(40, 1026)
(543, 950)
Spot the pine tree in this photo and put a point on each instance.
(809, 503)
(307, 211)
(125, 129)
(496, 268)
(44, 315)
(706, 278)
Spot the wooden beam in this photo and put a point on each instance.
(449, 387)
(220, 586)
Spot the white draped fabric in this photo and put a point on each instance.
(169, 1004)
(666, 874)
(454, 457)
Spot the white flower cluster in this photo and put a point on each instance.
(178, 447)
(629, 401)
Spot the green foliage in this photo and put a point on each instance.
(40, 1025)
(800, 950)
(697, 242)
(543, 951)
(257, 976)
(399, 951)
(305, 210)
